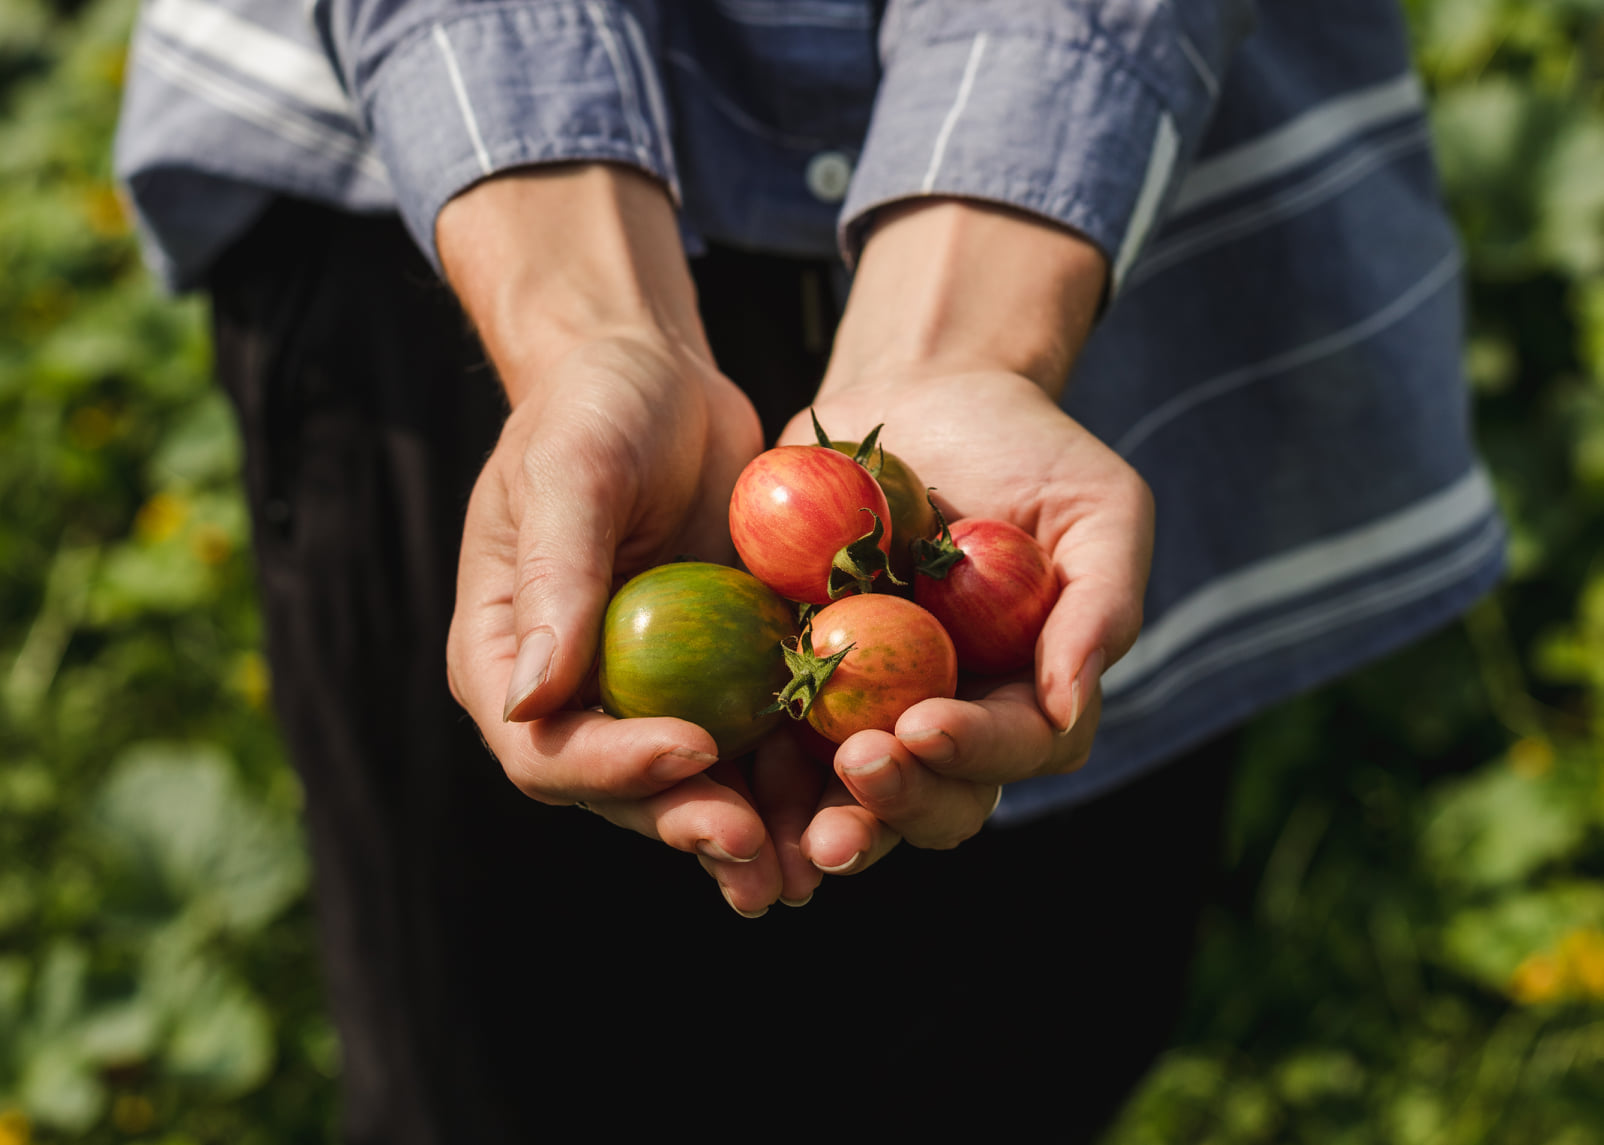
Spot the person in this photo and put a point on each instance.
(1094, 259)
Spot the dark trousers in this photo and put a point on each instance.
(499, 970)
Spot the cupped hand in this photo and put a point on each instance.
(993, 444)
(619, 457)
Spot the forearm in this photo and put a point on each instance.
(545, 259)
(955, 286)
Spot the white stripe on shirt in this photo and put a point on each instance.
(655, 104)
(1335, 342)
(1330, 613)
(1160, 165)
(954, 113)
(628, 98)
(251, 50)
(1323, 185)
(470, 121)
(255, 107)
(1308, 569)
(1210, 83)
(1297, 141)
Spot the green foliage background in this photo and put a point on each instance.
(1408, 944)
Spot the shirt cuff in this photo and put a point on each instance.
(1068, 130)
(509, 86)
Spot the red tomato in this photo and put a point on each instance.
(795, 508)
(899, 655)
(995, 600)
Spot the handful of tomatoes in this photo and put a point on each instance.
(837, 537)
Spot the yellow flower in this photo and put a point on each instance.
(1537, 979)
(1582, 953)
(160, 517)
(251, 680)
(14, 1128)
(104, 211)
(211, 544)
(1531, 758)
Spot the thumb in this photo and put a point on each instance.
(1098, 614)
(567, 532)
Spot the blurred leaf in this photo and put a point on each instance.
(1489, 139)
(1315, 1075)
(174, 815)
(1571, 189)
(120, 1034)
(1489, 943)
(59, 1088)
(223, 1039)
(221, 1036)
(202, 448)
(59, 988)
(1498, 826)
(1458, 36)
(139, 579)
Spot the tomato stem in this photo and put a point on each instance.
(935, 558)
(855, 565)
(861, 453)
(809, 673)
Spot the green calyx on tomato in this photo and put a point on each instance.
(809, 673)
(700, 642)
(911, 519)
(935, 558)
(854, 566)
(862, 453)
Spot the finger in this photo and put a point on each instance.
(844, 837)
(930, 811)
(786, 786)
(590, 757)
(715, 822)
(572, 489)
(750, 888)
(1104, 557)
(998, 738)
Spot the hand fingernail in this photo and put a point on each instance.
(738, 910)
(713, 851)
(934, 746)
(796, 902)
(879, 779)
(840, 868)
(530, 668)
(680, 763)
(1090, 673)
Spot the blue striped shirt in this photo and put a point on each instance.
(1280, 357)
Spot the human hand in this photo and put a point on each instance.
(962, 326)
(620, 452)
(993, 445)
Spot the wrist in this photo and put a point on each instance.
(546, 260)
(957, 286)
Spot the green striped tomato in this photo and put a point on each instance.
(700, 642)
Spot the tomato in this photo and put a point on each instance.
(911, 515)
(795, 515)
(701, 642)
(995, 599)
(896, 654)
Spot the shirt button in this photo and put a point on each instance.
(828, 174)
